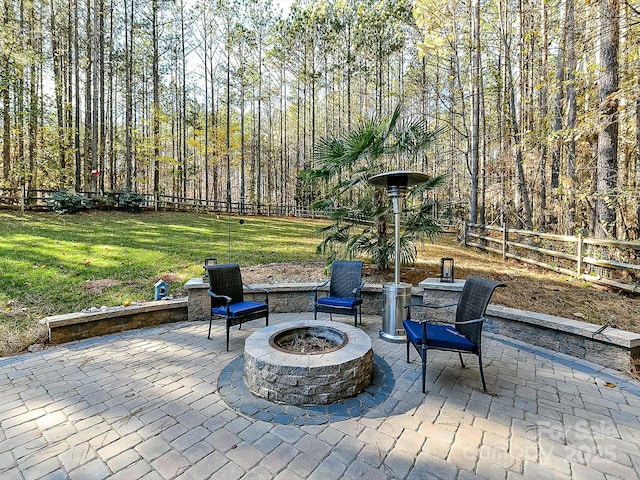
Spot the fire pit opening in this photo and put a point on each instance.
(307, 362)
(309, 340)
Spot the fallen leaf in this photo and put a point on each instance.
(610, 385)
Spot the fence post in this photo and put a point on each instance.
(23, 195)
(505, 240)
(579, 253)
(465, 233)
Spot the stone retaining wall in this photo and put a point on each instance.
(78, 325)
(611, 348)
(614, 348)
(617, 349)
(283, 298)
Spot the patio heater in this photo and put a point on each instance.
(396, 295)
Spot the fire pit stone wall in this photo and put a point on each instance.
(302, 379)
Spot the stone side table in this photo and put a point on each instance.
(436, 292)
(198, 299)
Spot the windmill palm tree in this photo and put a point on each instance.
(361, 214)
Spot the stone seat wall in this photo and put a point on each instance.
(614, 348)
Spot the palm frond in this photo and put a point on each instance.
(431, 184)
(339, 213)
(323, 204)
(361, 225)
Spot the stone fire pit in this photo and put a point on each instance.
(343, 370)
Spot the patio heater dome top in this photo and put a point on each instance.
(398, 179)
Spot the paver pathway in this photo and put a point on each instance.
(145, 405)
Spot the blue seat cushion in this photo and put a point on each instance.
(240, 309)
(339, 302)
(438, 336)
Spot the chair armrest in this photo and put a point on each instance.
(428, 305)
(322, 285)
(470, 322)
(356, 291)
(220, 297)
(317, 288)
(258, 289)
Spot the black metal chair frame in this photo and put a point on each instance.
(345, 282)
(469, 320)
(226, 290)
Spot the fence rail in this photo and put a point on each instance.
(613, 263)
(19, 199)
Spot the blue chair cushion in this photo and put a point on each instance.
(438, 336)
(339, 302)
(239, 309)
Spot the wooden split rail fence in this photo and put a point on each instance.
(20, 199)
(614, 263)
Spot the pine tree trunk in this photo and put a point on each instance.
(607, 166)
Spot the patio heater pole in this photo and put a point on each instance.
(396, 195)
(396, 295)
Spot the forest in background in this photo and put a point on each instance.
(535, 102)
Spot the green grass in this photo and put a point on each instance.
(48, 261)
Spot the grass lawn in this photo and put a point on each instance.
(53, 264)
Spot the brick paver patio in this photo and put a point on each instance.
(145, 404)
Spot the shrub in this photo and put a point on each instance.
(104, 202)
(68, 201)
(130, 201)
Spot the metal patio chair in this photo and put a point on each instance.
(345, 286)
(227, 298)
(462, 336)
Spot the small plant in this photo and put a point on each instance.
(68, 201)
(130, 201)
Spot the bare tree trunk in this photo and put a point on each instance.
(607, 165)
(33, 103)
(19, 95)
(101, 97)
(6, 97)
(557, 112)
(183, 137)
(517, 139)
(75, 94)
(571, 115)
(111, 109)
(475, 111)
(206, 106)
(95, 95)
(482, 179)
(156, 100)
(543, 102)
(56, 52)
(128, 36)
(88, 102)
(637, 179)
(258, 172)
(228, 140)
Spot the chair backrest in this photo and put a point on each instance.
(473, 303)
(345, 276)
(225, 279)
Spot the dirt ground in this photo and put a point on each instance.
(528, 288)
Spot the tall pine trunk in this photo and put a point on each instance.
(607, 164)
